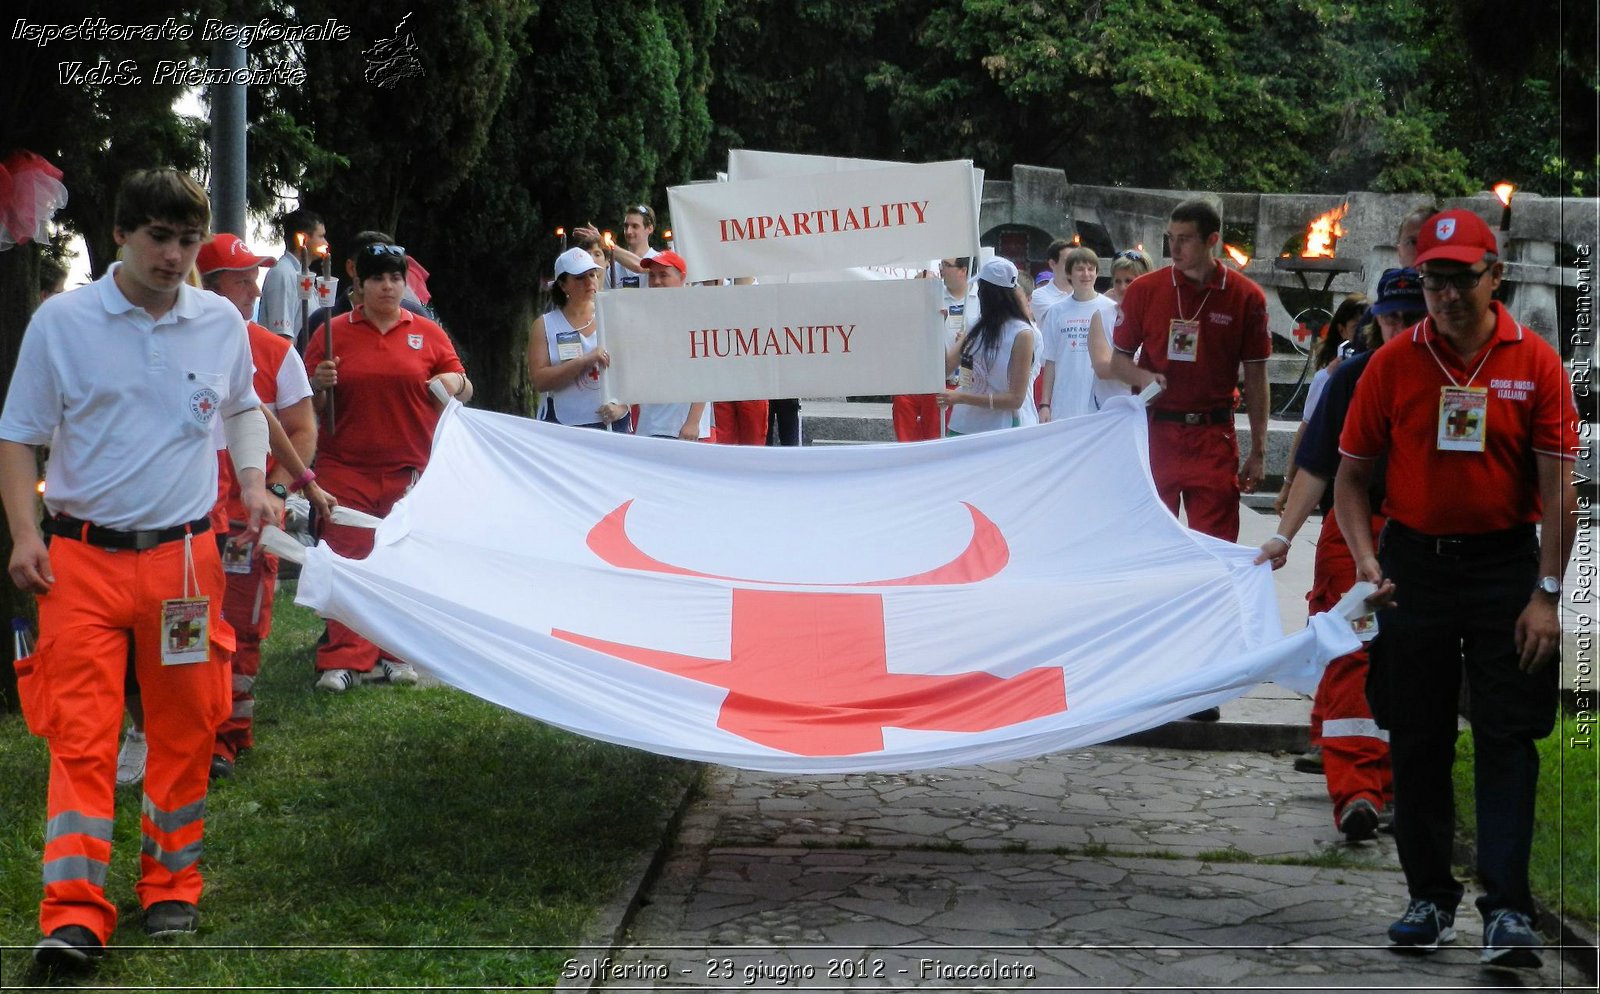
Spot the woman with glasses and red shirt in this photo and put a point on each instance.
(371, 373)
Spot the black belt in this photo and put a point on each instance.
(1220, 416)
(1500, 543)
(64, 526)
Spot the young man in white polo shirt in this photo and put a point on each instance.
(123, 380)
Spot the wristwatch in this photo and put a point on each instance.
(1550, 585)
(278, 490)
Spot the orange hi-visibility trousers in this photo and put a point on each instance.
(101, 599)
(374, 492)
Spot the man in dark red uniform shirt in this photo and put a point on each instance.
(1476, 415)
(1197, 322)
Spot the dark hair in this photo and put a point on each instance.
(1082, 255)
(999, 305)
(374, 261)
(1201, 214)
(1058, 246)
(297, 221)
(163, 194)
(359, 243)
(51, 275)
(1352, 308)
(558, 293)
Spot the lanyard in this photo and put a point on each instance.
(1177, 297)
(1445, 370)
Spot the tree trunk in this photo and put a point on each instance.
(19, 295)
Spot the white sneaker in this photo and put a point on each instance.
(336, 681)
(131, 757)
(395, 671)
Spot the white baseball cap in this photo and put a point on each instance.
(575, 262)
(1000, 272)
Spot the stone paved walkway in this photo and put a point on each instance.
(1112, 868)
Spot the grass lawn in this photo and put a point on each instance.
(1563, 868)
(410, 837)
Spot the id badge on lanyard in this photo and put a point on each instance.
(237, 556)
(1463, 418)
(1183, 340)
(965, 377)
(569, 346)
(186, 620)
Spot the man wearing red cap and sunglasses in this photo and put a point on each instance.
(1476, 415)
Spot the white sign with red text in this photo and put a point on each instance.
(763, 341)
(826, 221)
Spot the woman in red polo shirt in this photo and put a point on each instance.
(373, 389)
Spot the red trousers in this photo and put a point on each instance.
(72, 696)
(1198, 464)
(374, 493)
(917, 417)
(247, 607)
(1355, 752)
(739, 422)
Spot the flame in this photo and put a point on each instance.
(1139, 246)
(1077, 240)
(322, 250)
(40, 488)
(1504, 190)
(609, 239)
(668, 235)
(1236, 255)
(299, 239)
(561, 232)
(1324, 232)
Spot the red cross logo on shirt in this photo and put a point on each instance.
(807, 671)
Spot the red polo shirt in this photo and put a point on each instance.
(1396, 410)
(1232, 315)
(385, 415)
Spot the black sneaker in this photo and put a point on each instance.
(1359, 820)
(221, 767)
(1309, 761)
(1423, 928)
(1209, 714)
(165, 918)
(1509, 941)
(70, 947)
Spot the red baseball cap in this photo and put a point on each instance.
(227, 251)
(669, 258)
(1455, 236)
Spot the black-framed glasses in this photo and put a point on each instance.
(1463, 281)
(383, 248)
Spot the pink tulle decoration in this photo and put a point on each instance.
(30, 194)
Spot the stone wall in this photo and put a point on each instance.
(1043, 199)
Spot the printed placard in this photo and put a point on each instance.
(887, 216)
(758, 342)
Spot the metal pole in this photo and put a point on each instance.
(227, 143)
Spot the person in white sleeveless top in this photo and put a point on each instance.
(998, 359)
(564, 357)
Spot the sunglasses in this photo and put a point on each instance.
(1463, 281)
(385, 249)
(644, 212)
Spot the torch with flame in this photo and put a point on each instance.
(1237, 254)
(561, 233)
(1324, 232)
(1505, 191)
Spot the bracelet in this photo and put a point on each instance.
(463, 389)
(1279, 537)
(1043, 406)
(300, 481)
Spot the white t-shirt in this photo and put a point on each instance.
(279, 310)
(1314, 394)
(620, 276)
(1065, 327)
(991, 374)
(668, 419)
(127, 402)
(1046, 297)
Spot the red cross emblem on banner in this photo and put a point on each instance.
(808, 672)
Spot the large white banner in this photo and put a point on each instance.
(846, 608)
(762, 341)
(887, 216)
